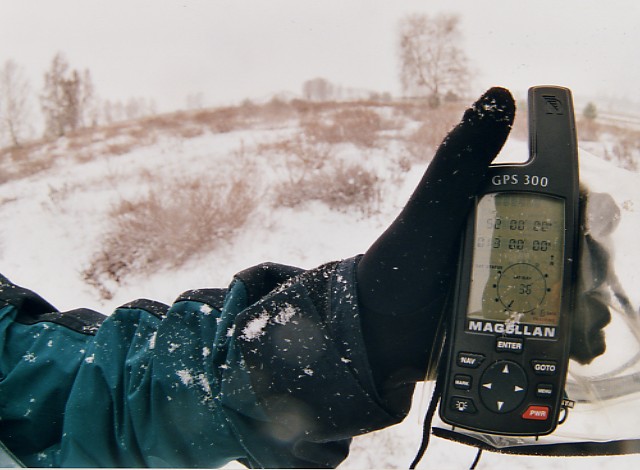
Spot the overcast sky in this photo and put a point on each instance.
(229, 50)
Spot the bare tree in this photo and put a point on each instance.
(590, 111)
(432, 62)
(137, 107)
(15, 108)
(89, 103)
(53, 99)
(67, 98)
(195, 100)
(318, 89)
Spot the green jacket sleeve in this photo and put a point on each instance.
(271, 372)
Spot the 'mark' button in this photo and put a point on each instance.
(462, 382)
(537, 413)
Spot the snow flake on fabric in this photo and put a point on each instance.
(285, 315)
(204, 384)
(254, 329)
(197, 382)
(185, 376)
(491, 106)
(152, 340)
(30, 357)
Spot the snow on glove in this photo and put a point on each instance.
(404, 277)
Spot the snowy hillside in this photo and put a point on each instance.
(54, 221)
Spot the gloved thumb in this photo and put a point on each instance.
(416, 253)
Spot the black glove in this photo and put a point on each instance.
(404, 278)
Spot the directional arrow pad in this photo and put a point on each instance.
(503, 386)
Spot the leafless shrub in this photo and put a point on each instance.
(422, 143)
(57, 194)
(120, 148)
(411, 109)
(23, 161)
(278, 110)
(359, 126)
(304, 157)
(626, 149)
(588, 129)
(167, 227)
(619, 144)
(300, 155)
(342, 186)
(164, 122)
(219, 120)
(349, 185)
(189, 132)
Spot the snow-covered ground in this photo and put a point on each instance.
(52, 223)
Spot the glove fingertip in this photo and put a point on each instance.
(496, 105)
(481, 133)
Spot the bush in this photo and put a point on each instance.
(278, 110)
(23, 161)
(219, 120)
(303, 157)
(341, 186)
(359, 126)
(626, 150)
(349, 185)
(167, 227)
(436, 124)
(588, 130)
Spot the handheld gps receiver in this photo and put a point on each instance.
(508, 342)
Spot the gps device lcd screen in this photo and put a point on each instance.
(518, 259)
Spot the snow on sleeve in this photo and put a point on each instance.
(254, 329)
(285, 315)
(185, 376)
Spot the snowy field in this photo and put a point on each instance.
(53, 221)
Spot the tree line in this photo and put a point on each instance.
(432, 62)
(432, 65)
(68, 101)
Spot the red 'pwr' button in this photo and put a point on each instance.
(539, 413)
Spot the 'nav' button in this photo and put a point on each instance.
(469, 360)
